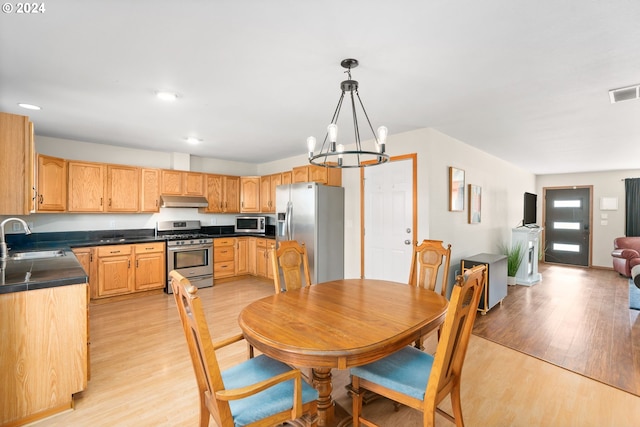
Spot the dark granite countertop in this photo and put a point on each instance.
(30, 274)
(66, 269)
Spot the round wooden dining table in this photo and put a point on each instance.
(340, 324)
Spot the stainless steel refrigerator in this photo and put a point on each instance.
(314, 214)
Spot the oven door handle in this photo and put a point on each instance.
(189, 247)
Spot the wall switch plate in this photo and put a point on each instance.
(112, 224)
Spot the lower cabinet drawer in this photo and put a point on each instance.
(223, 269)
(224, 253)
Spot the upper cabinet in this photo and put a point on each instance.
(182, 183)
(51, 189)
(250, 194)
(194, 184)
(223, 194)
(268, 186)
(16, 165)
(287, 177)
(123, 188)
(232, 194)
(149, 190)
(319, 174)
(171, 182)
(86, 185)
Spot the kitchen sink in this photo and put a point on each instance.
(18, 256)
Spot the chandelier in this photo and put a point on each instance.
(332, 154)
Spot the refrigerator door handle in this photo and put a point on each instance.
(289, 219)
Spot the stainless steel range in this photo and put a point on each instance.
(189, 252)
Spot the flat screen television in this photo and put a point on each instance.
(530, 209)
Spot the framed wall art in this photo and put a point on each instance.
(475, 204)
(456, 189)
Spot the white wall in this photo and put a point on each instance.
(502, 185)
(605, 184)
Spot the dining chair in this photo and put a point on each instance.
(421, 380)
(290, 266)
(430, 260)
(257, 392)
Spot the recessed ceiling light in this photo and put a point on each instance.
(167, 96)
(193, 140)
(29, 106)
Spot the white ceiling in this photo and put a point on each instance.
(526, 81)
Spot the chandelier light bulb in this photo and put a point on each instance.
(340, 150)
(333, 132)
(311, 145)
(382, 137)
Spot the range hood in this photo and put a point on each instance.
(183, 202)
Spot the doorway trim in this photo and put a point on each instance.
(414, 164)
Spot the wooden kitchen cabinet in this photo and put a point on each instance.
(319, 174)
(123, 188)
(88, 259)
(250, 194)
(86, 186)
(232, 194)
(149, 190)
(150, 266)
(287, 177)
(300, 174)
(51, 189)
(182, 183)
(171, 182)
(223, 194)
(263, 262)
(115, 275)
(224, 257)
(194, 184)
(268, 186)
(116, 270)
(44, 352)
(17, 161)
(85, 257)
(242, 256)
(251, 255)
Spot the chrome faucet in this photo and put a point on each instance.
(3, 244)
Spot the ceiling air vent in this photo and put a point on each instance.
(624, 93)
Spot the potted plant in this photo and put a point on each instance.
(515, 255)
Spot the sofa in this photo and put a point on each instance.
(625, 254)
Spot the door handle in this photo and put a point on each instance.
(407, 242)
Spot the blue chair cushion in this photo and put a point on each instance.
(268, 402)
(405, 371)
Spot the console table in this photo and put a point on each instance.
(496, 287)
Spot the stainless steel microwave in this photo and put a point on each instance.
(251, 224)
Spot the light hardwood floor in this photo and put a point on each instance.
(142, 375)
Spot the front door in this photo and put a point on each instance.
(567, 225)
(389, 220)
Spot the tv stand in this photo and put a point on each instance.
(528, 238)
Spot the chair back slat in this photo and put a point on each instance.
(290, 266)
(430, 260)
